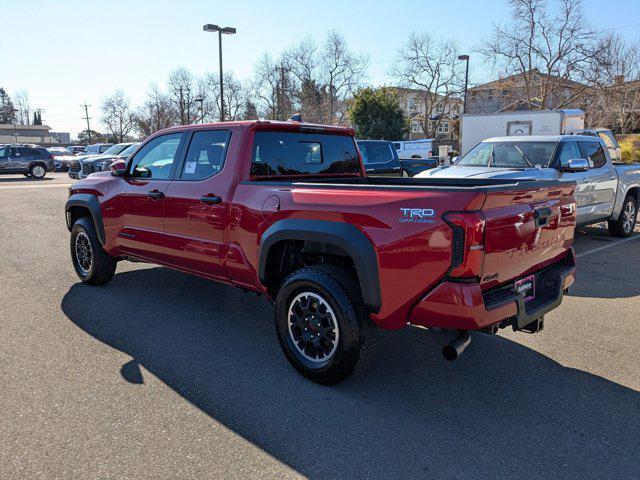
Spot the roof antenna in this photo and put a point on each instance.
(296, 117)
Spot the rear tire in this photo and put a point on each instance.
(92, 264)
(322, 324)
(626, 222)
(38, 171)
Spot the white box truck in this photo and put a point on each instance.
(475, 128)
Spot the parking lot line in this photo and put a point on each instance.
(604, 247)
(51, 185)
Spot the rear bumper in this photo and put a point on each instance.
(464, 306)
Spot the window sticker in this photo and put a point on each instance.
(190, 167)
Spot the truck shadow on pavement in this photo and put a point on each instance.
(502, 409)
(608, 273)
(23, 179)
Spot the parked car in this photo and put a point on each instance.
(476, 127)
(605, 191)
(30, 160)
(609, 139)
(61, 158)
(88, 164)
(283, 209)
(381, 158)
(116, 149)
(97, 148)
(412, 149)
(76, 149)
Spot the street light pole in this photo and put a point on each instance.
(227, 31)
(466, 80)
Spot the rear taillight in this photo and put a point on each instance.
(51, 157)
(467, 256)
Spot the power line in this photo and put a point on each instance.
(87, 118)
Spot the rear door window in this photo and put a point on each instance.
(293, 153)
(206, 154)
(379, 152)
(594, 152)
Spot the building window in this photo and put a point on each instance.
(490, 95)
(430, 125)
(415, 126)
(505, 92)
(473, 96)
(439, 108)
(411, 104)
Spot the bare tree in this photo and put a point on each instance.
(430, 66)
(342, 72)
(615, 102)
(266, 87)
(117, 115)
(551, 55)
(183, 92)
(316, 81)
(235, 94)
(23, 114)
(156, 112)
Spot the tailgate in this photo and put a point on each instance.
(526, 229)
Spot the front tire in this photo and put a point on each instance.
(92, 264)
(626, 222)
(322, 324)
(38, 171)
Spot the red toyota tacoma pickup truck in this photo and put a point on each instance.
(285, 209)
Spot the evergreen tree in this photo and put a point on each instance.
(7, 111)
(376, 114)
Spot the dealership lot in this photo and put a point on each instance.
(163, 375)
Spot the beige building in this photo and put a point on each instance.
(511, 93)
(440, 121)
(39, 134)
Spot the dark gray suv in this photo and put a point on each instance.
(30, 160)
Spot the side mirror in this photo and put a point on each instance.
(118, 168)
(455, 160)
(575, 165)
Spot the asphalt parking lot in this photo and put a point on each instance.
(163, 375)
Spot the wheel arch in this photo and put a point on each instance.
(85, 205)
(336, 235)
(634, 192)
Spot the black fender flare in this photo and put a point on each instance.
(343, 235)
(91, 203)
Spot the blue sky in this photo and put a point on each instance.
(65, 52)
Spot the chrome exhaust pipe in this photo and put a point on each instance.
(454, 348)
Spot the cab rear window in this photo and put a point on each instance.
(289, 153)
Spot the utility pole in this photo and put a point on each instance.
(465, 58)
(280, 93)
(87, 118)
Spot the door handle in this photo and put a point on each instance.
(210, 199)
(155, 194)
